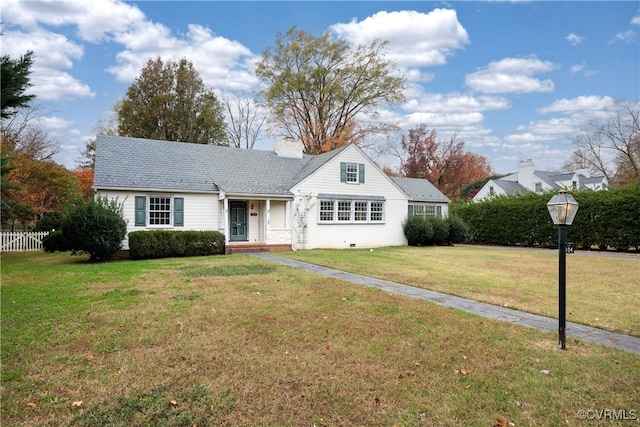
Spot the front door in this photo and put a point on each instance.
(238, 221)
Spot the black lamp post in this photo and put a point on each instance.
(562, 208)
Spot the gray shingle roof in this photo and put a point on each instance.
(561, 176)
(144, 164)
(164, 165)
(510, 187)
(420, 190)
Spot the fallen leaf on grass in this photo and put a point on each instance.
(464, 371)
(500, 423)
(545, 372)
(32, 406)
(89, 357)
(77, 403)
(173, 402)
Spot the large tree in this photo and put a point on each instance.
(14, 74)
(445, 163)
(323, 92)
(244, 120)
(43, 186)
(169, 101)
(610, 146)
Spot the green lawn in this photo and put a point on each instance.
(237, 341)
(601, 291)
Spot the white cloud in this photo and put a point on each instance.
(575, 39)
(415, 39)
(54, 85)
(543, 130)
(222, 63)
(576, 113)
(55, 125)
(577, 68)
(580, 105)
(51, 54)
(94, 19)
(512, 75)
(629, 37)
(635, 20)
(454, 103)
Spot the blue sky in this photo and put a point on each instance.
(514, 80)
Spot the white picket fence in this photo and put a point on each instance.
(22, 242)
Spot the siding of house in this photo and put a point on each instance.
(326, 180)
(200, 210)
(485, 192)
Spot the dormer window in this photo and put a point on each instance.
(538, 187)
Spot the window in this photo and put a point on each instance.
(352, 173)
(491, 190)
(425, 210)
(538, 187)
(360, 211)
(326, 210)
(351, 211)
(574, 184)
(377, 211)
(344, 211)
(159, 211)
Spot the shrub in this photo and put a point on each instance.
(440, 229)
(55, 242)
(417, 231)
(458, 230)
(50, 221)
(95, 227)
(146, 244)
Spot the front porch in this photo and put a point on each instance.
(246, 247)
(255, 225)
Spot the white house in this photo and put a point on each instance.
(261, 199)
(529, 179)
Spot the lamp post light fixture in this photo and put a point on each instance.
(562, 208)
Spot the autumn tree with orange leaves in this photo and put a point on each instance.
(444, 163)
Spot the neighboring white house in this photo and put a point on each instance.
(278, 199)
(529, 179)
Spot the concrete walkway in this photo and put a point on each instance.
(547, 324)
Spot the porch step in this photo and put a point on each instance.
(240, 248)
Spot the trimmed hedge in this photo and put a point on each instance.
(606, 219)
(429, 231)
(146, 244)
